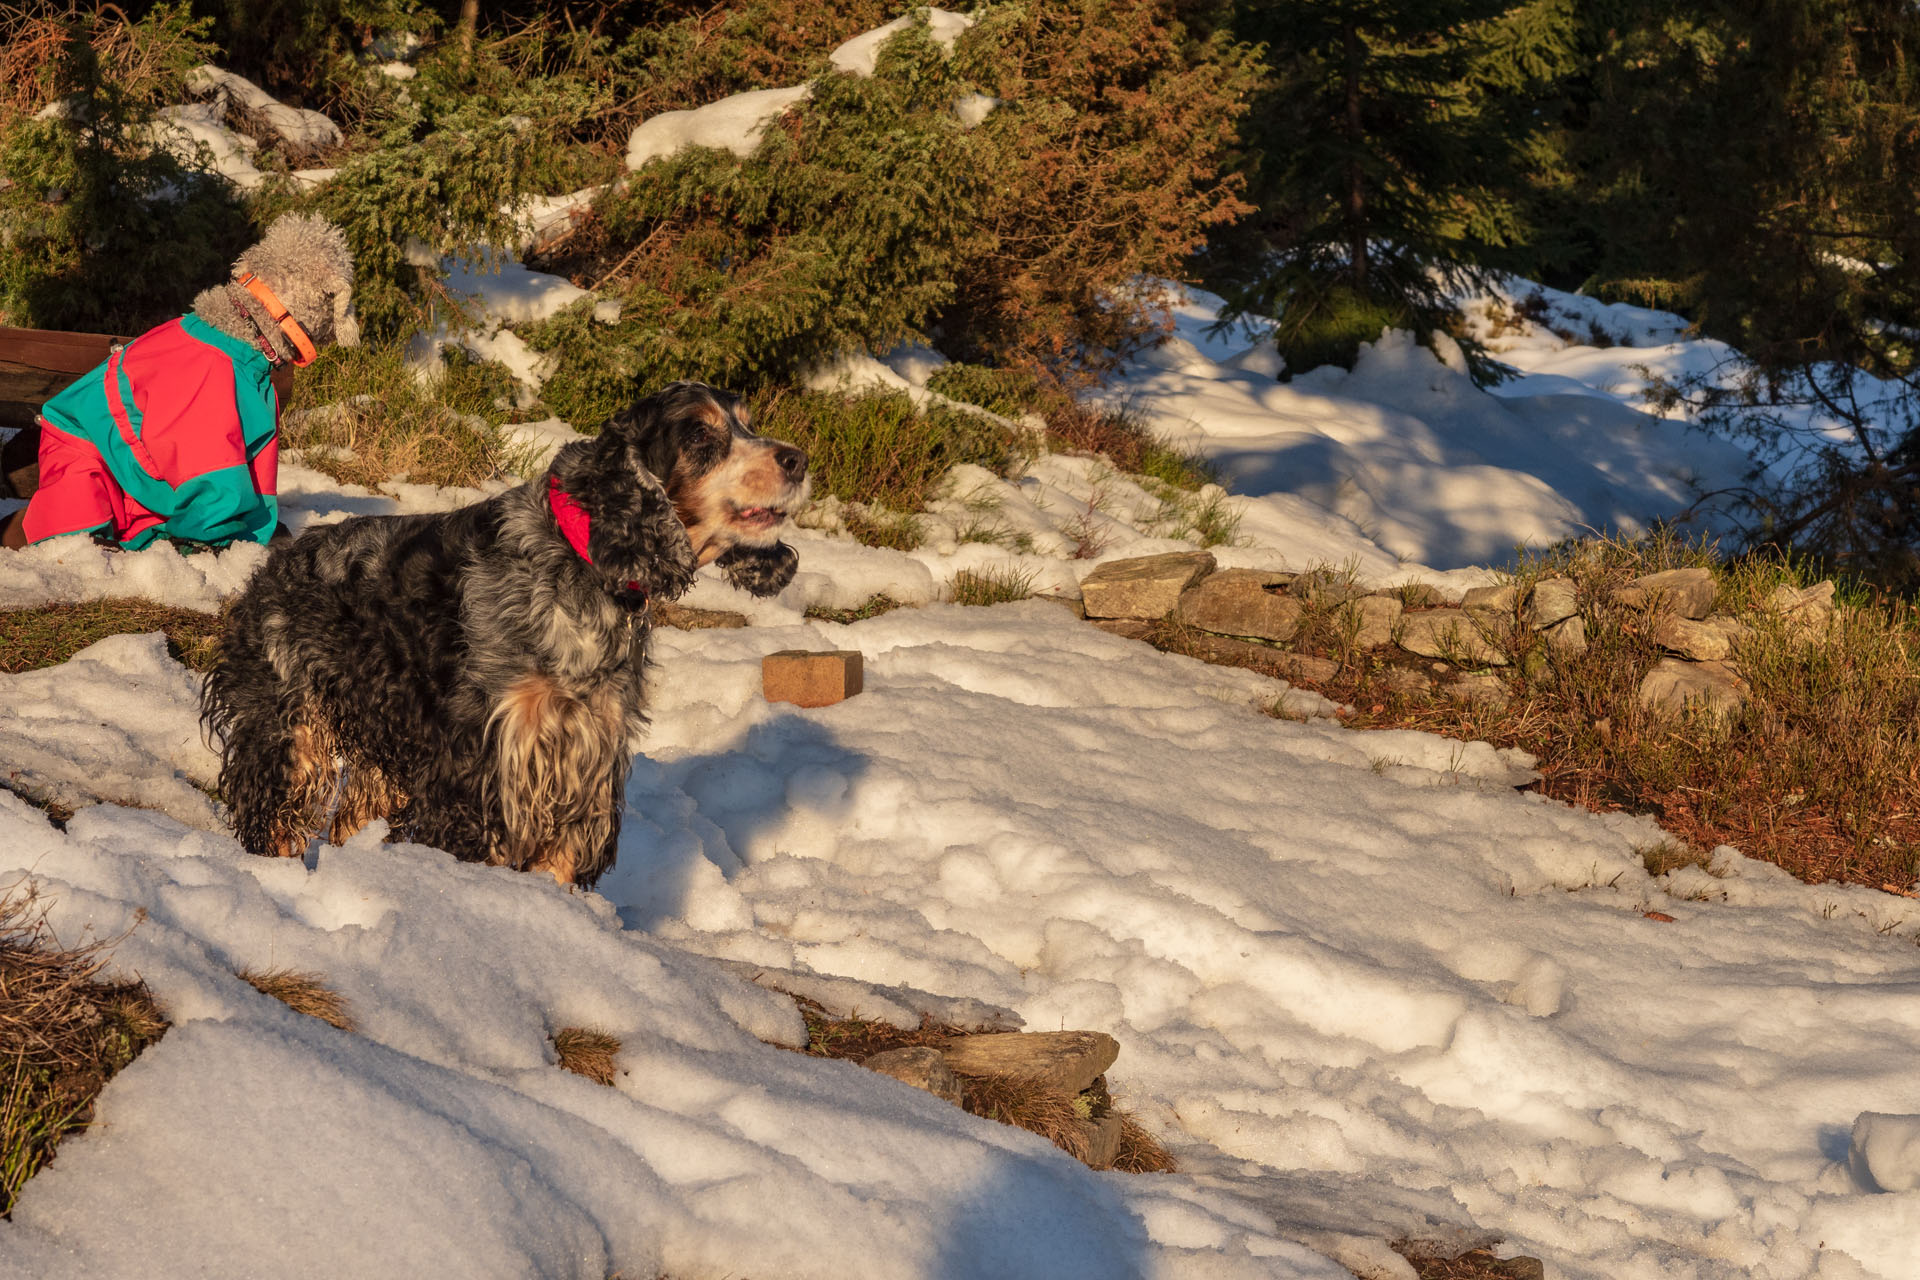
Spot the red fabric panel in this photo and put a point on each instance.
(78, 493)
(266, 469)
(190, 420)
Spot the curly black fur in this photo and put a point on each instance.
(403, 648)
(764, 571)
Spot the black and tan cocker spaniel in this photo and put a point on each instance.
(475, 677)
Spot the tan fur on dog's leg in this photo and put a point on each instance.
(553, 756)
(312, 780)
(368, 794)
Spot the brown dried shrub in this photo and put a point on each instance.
(302, 992)
(587, 1051)
(63, 1035)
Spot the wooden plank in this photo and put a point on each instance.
(38, 364)
(73, 353)
(24, 388)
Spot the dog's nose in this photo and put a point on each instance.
(792, 461)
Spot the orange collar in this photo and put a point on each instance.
(278, 312)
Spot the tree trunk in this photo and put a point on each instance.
(1356, 203)
(469, 23)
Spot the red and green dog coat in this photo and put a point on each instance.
(175, 436)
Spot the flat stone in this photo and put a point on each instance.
(1144, 587)
(1237, 602)
(1259, 577)
(1568, 637)
(1226, 651)
(808, 679)
(1129, 628)
(1503, 599)
(1687, 592)
(1710, 640)
(1373, 618)
(1402, 680)
(1420, 595)
(1673, 685)
(1066, 1060)
(1449, 634)
(1552, 601)
(686, 618)
(1071, 605)
(1325, 587)
(1477, 690)
(1103, 1141)
(1806, 611)
(922, 1066)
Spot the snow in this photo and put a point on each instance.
(194, 134)
(737, 123)
(303, 130)
(1885, 1151)
(500, 292)
(732, 124)
(861, 54)
(1429, 468)
(116, 723)
(1364, 987)
(70, 570)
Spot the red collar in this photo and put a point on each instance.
(576, 526)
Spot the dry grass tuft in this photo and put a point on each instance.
(301, 992)
(1029, 1105)
(1475, 1264)
(1120, 436)
(1052, 1113)
(366, 419)
(1140, 1151)
(997, 585)
(587, 1052)
(139, 59)
(63, 1035)
(872, 608)
(878, 527)
(48, 635)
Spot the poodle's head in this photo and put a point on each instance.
(304, 259)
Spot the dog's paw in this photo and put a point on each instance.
(764, 571)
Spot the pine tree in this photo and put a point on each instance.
(1757, 167)
(1393, 149)
(101, 229)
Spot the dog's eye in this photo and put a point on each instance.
(701, 445)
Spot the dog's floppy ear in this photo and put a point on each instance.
(764, 571)
(634, 535)
(646, 429)
(638, 537)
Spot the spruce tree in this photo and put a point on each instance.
(1393, 147)
(1757, 167)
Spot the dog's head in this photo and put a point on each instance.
(304, 259)
(730, 489)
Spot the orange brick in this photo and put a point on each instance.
(809, 679)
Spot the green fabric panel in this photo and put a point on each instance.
(220, 506)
